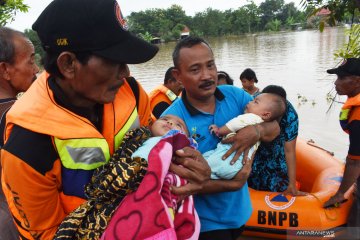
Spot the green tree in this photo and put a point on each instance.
(253, 16)
(352, 48)
(210, 22)
(240, 21)
(177, 15)
(290, 11)
(9, 8)
(146, 36)
(269, 10)
(273, 25)
(157, 22)
(34, 38)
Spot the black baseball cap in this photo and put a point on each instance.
(348, 67)
(95, 26)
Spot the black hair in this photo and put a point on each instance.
(50, 61)
(168, 76)
(275, 89)
(249, 74)
(277, 106)
(187, 42)
(7, 47)
(280, 103)
(228, 79)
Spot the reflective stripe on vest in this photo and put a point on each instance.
(172, 96)
(132, 123)
(91, 153)
(83, 153)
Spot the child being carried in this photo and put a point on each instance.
(265, 107)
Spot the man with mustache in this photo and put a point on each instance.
(17, 72)
(223, 205)
(76, 114)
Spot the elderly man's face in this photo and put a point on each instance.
(348, 85)
(97, 81)
(23, 71)
(197, 71)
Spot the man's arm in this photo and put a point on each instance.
(190, 165)
(246, 137)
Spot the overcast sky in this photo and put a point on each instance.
(25, 20)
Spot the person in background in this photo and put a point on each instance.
(164, 94)
(274, 167)
(74, 116)
(224, 78)
(248, 79)
(223, 206)
(348, 83)
(17, 72)
(17, 69)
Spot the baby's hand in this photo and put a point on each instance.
(214, 129)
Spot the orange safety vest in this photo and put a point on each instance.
(77, 141)
(161, 94)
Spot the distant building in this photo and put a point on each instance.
(323, 12)
(313, 20)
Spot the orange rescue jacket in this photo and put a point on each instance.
(36, 200)
(161, 94)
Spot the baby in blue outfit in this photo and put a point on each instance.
(164, 126)
(265, 107)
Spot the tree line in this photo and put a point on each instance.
(167, 24)
(270, 15)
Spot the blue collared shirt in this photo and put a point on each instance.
(224, 210)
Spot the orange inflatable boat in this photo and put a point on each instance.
(279, 217)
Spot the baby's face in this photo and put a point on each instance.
(259, 106)
(166, 123)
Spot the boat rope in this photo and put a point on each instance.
(313, 144)
(327, 210)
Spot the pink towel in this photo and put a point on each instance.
(144, 214)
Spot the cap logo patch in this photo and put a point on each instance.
(62, 42)
(120, 17)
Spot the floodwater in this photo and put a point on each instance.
(295, 60)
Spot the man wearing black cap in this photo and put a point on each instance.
(348, 83)
(76, 114)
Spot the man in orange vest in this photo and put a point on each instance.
(75, 115)
(17, 72)
(164, 94)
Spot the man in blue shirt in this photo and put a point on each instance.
(223, 205)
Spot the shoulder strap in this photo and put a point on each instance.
(135, 88)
